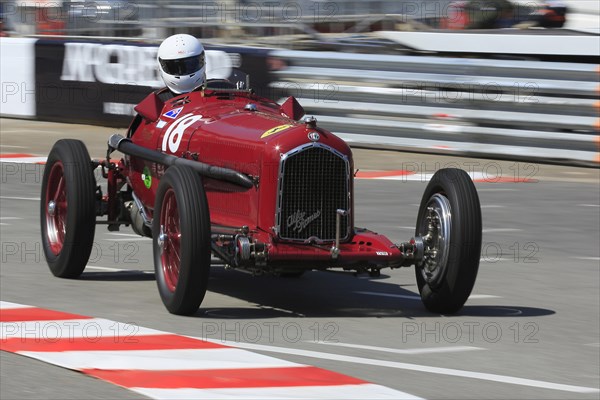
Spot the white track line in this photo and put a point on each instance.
(420, 368)
(8, 219)
(133, 239)
(409, 297)
(588, 205)
(23, 160)
(109, 269)
(587, 258)
(425, 350)
(496, 230)
(20, 198)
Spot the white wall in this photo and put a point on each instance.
(583, 15)
(17, 74)
(466, 42)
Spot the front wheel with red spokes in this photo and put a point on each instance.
(68, 208)
(181, 240)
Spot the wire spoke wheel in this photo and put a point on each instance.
(435, 230)
(181, 240)
(68, 208)
(56, 208)
(169, 225)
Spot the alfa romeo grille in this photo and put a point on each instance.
(313, 185)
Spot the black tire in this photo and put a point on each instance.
(181, 228)
(445, 282)
(68, 226)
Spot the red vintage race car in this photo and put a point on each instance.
(222, 172)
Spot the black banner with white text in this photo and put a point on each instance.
(99, 83)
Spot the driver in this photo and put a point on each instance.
(182, 63)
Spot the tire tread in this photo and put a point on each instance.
(465, 242)
(81, 211)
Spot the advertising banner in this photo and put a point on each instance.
(100, 83)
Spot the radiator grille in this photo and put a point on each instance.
(313, 184)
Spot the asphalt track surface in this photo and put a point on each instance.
(534, 314)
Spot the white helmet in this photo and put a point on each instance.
(181, 63)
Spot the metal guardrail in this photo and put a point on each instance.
(532, 110)
(157, 19)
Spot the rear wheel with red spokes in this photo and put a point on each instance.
(56, 208)
(68, 208)
(170, 240)
(181, 240)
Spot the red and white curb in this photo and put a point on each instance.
(162, 365)
(397, 175)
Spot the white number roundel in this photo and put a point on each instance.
(175, 132)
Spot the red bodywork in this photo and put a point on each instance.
(243, 132)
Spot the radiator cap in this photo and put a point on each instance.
(310, 122)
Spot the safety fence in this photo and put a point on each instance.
(532, 110)
(156, 19)
(509, 109)
(205, 18)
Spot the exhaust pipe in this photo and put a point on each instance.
(125, 146)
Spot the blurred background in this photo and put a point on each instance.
(229, 19)
(501, 78)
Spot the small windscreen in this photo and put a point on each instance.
(183, 66)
